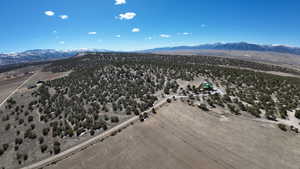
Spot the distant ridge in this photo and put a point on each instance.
(42, 55)
(52, 54)
(243, 46)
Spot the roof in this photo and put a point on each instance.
(207, 85)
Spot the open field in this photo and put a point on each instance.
(269, 72)
(182, 136)
(11, 80)
(283, 59)
(7, 86)
(23, 78)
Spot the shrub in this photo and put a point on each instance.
(7, 126)
(56, 149)
(203, 107)
(254, 111)
(32, 126)
(154, 111)
(41, 140)
(19, 156)
(21, 121)
(30, 119)
(1, 151)
(18, 141)
(92, 132)
(104, 127)
(227, 99)
(141, 117)
(242, 106)
(45, 131)
(282, 127)
(5, 146)
(270, 115)
(5, 118)
(30, 134)
(233, 109)
(56, 143)
(106, 118)
(69, 132)
(114, 119)
(297, 114)
(43, 147)
(25, 157)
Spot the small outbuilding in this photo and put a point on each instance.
(207, 86)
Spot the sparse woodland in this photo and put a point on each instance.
(106, 88)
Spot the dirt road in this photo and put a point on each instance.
(91, 141)
(14, 91)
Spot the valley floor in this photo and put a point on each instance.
(184, 137)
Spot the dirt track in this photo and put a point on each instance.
(183, 137)
(84, 145)
(11, 88)
(8, 86)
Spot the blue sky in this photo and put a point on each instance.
(142, 24)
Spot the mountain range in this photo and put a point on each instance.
(42, 55)
(241, 46)
(51, 54)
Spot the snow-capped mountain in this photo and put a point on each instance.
(42, 55)
(243, 46)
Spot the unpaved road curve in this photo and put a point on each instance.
(91, 141)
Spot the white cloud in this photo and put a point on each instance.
(54, 32)
(164, 36)
(149, 38)
(92, 33)
(61, 42)
(120, 2)
(186, 33)
(126, 16)
(203, 25)
(64, 17)
(136, 30)
(49, 13)
(118, 36)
